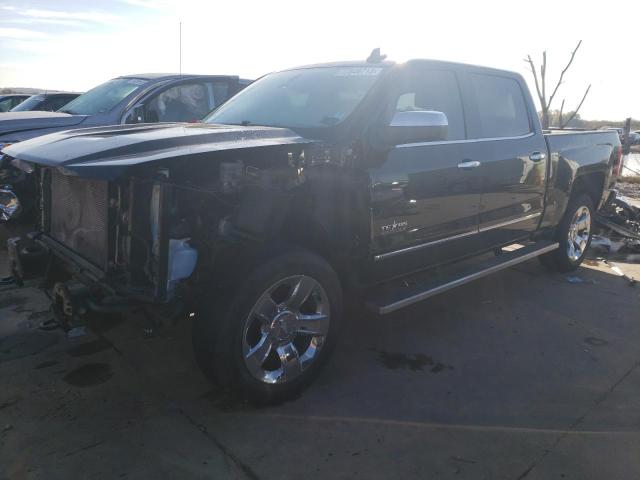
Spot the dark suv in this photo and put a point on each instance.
(144, 98)
(7, 102)
(45, 102)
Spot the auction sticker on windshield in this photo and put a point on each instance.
(358, 72)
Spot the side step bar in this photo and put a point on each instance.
(387, 299)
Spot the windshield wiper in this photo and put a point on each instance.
(70, 112)
(245, 123)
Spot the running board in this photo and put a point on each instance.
(389, 298)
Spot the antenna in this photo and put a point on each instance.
(375, 56)
(180, 48)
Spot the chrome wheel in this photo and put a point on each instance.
(286, 329)
(579, 231)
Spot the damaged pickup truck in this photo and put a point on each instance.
(386, 182)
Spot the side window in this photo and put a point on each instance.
(502, 110)
(424, 89)
(6, 104)
(47, 105)
(220, 91)
(56, 103)
(187, 102)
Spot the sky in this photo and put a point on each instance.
(75, 45)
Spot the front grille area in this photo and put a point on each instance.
(79, 215)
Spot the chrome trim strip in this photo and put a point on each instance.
(413, 248)
(509, 222)
(469, 140)
(392, 307)
(468, 165)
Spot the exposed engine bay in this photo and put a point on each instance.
(148, 236)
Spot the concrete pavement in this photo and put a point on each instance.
(519, 375)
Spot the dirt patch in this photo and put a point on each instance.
(9, 403)
(416, 362)
(24, 344)
(40, 315)
(595, 342)
(89, 375)
(89, 348)
(47, 364)
(12, 301)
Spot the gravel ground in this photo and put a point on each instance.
(630, 190)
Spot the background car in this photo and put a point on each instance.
(7, 102)
(143, 98)
(45, 102)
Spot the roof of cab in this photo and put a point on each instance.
(163, 76)
(388, 63)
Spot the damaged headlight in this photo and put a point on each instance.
(26, 167)
(5, 144)
(10, 207)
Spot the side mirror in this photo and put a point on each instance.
(136, 115)
(416, 126)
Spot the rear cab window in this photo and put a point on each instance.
(500, 107)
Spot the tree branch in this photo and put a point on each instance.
(575, 112)
(535, 78)
(543, 78)
(555, 90)
(560, 114)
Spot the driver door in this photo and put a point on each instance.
(188, 101)
(426, 195)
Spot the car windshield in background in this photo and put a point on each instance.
(304, 98)
(103, 97)
(29, 104)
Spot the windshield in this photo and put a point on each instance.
(103, 97)
(31, 103)
(304, 98)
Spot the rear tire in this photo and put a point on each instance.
(264, 341)
(573, 234)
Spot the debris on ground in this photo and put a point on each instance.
(77, 332)
(575, 279)
(632, 281)
(618, 232)
(628, 189)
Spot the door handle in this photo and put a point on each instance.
(537, 156)
(469, 165)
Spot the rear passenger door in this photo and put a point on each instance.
(511, 151)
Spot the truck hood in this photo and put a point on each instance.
(12, 122)
(105, 152)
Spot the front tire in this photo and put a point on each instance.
(268, 337)
(574, 236)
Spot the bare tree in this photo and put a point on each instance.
(541, 89)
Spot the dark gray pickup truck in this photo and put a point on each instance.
(371, 180)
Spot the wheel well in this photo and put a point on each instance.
(311, 236)
(590, 183)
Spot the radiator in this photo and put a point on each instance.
(79, 216)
